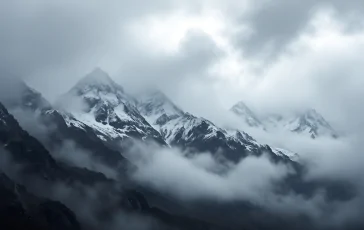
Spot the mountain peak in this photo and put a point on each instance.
(240, 104)
(99, 76)
(102, 105)
(313, 114)
(242, 110)
(155, 104)
(312, 123)
(312, 117)
(98, 79)
(153, 95)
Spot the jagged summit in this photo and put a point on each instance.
(155, 106)
(97, 80)
(311, 123)
(97, 87)
(108, 109)
(312, 114)
(307, 123)
(243, 111)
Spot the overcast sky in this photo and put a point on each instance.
(205, 54)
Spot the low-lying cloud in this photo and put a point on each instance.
(254, 180)
(195, 176)
(100, 205)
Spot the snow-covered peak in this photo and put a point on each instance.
(97, 88)
(311, 123)
(102, 104)
(97, 77)
(308, 123)
(97, 80)
(156, 106)
(313, 116)
(242, 111)
(273, 120)
(188, 128)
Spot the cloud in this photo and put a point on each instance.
(326, 73)
(8, 165)
(100, 205)
(57, 42)
(276, 24)
(73, 155)
(201, 177)
(271, 29)
(319, 69)
(31, 122)
(66, 151)
(189, 63)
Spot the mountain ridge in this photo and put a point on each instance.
(308, 123)
(187, 131)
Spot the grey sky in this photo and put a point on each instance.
(277, 23)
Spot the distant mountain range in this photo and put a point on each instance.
(308, 123)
